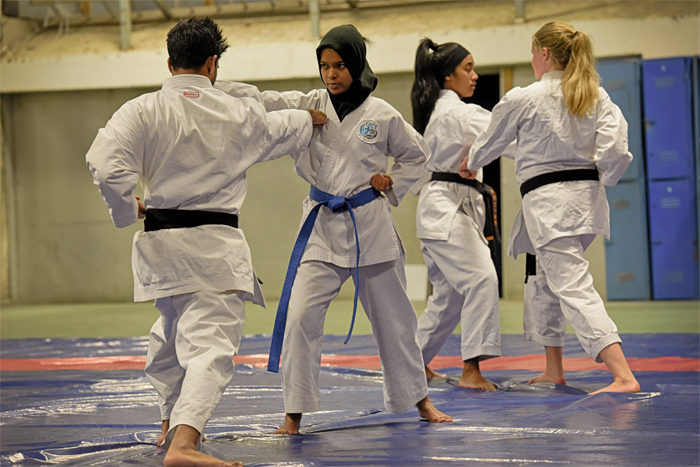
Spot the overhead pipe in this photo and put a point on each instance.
(125, 23)
(315, 17)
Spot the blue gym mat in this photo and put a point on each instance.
(76, 417)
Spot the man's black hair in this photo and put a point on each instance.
(191, 42)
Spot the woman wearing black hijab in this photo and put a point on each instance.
(347, 159)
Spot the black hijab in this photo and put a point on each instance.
(347, 42)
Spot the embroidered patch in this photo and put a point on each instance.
(368, 131)
(191, 94)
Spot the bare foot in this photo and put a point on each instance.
(554, 367)
(164, 427)
(182, 452)
(548, 378)
(427, 410)
(291, 424)
(193, 458)
(620, 386)
(432, 374)
(472, 378)
(477, 382)
(623, 379)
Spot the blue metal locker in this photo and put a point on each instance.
(667, 86)
(696, 134)
(674, 240)
(627, 251)
(622, 80)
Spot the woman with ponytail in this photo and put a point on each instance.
(452, 214)
(571, 142)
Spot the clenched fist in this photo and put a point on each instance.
(381, 182)
(464, 172)
(318, 118)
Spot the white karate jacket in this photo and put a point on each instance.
(550, 139)
(190, 145)
(451, 130)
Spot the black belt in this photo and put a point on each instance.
(490, 200)
(530, 265)
(547, 179)
(158, 219)
(560, 176)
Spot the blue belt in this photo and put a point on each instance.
(335, 204)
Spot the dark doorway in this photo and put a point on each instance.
(487, 95)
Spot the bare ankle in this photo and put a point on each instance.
(291, 425)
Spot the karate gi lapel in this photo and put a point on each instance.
(340, 143)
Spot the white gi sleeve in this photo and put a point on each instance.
(272, 100)
(287, 132)
(499, 134)
(410, 153)
(115, 160)
(611, 156)
(480, 122)
(236, 89)
(275, 100)
(265, 136)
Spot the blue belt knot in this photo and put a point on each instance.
(336, 204)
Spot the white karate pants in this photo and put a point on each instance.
(382, 291)
(563, 291)
(190, 353)
(465, 289)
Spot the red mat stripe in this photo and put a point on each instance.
(370, 362)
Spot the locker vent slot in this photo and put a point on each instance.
(670, 203)
(625, 277)
(620, 204)
(668, 156)
(615, 84)
(665, 81)
(674, 276)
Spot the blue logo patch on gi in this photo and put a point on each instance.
(368, 131)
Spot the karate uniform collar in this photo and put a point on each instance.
(187, 80)
(552, 75)
(449, 94)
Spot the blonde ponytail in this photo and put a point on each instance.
(573, 51)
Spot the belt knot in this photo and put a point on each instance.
(337, 204)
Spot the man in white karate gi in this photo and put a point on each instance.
(189, 145)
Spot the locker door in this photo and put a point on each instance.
(627, 251)
(621, 78)
(674, 241)
(668, 118)
(696, 134)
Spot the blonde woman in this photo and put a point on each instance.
(571, 141)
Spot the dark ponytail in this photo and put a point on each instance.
(433, 64)
(426, 89)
